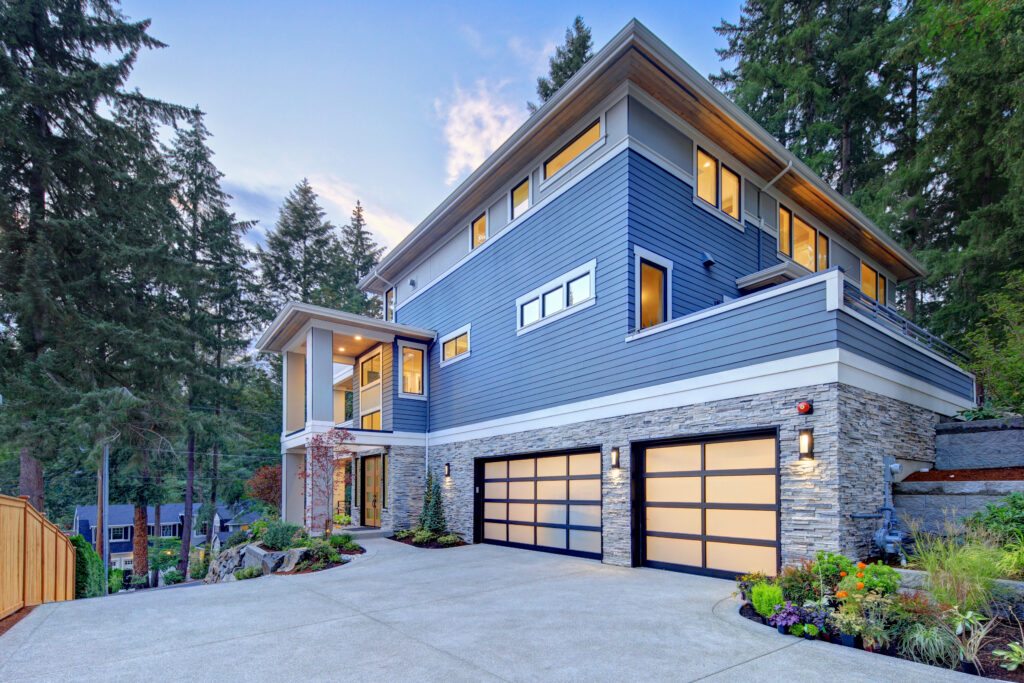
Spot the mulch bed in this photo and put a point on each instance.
(11, 619)
(978, 474)
(1002, 634)
(432, 544)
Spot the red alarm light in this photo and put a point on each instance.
(805, 407)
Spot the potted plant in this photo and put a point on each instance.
(787, 615)
(747, 581)
(810, 632)
(847, 624)
(764, 597)
(817, 615)
(971, 631)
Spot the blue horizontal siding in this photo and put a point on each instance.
(857, 336)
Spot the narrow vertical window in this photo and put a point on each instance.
(479, 230)
(412, 370)
(822, 252)
(730, 193)
(707, 177)
(389, 305)
(868, 281)
(881, 291)
(370, 370)
(803, 244)
(652, 294)
(520, 198)
(785, 231)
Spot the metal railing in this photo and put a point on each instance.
(889, 318)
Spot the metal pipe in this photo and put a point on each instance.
(789, 165)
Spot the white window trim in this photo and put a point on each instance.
(379, 382)
(529, 198)
(486, 213)
(170, 535)
(402, 344)
(715, 209)
(110, 532)
(452, 335)
(639, 253)
(565, 140)
(588, 268)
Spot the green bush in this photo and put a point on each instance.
(173, 576)
(322, 551)
(403, 534)
(340, 541)
(280, 535)
(1004, 519)
(115, 581)
(800, 584)
(764, 597)
(432, 519)
(875, 578)
(449, 540)
(88, 569)
(423, 536)
(249, 573)
(830, 566)
(259, 528)
(199, 568)
(236, 538)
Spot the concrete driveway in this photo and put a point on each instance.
(402, 613)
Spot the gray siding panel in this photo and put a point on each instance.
(655, 132)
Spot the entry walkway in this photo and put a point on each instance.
(461, 614)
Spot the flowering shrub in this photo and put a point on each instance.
(832, 567)
(800, 584)
(874, 578)
(747, 581)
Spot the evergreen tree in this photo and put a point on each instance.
(84, 267)
(301, 256)
(359, 255)
(567, 60)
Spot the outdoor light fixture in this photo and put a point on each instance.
(615, 458)
(357, 337)
(447, 469)
(807, 444)
(805, 407)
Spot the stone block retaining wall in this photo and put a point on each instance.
(932, 503)
(980, 443)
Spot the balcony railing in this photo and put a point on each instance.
(889, 318)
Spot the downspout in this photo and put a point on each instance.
(391, 285)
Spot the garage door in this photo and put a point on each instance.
(549, 502)
(711, 506)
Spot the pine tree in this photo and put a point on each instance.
(301, 258)
(567, 60)
(359, 255)
(84, 267)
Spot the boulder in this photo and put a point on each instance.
(225, 565)
(253, 556)
(292, 558)
(250, 555)
(273, 560)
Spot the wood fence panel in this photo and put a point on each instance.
(37, 561)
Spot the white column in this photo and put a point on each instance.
(320, 377)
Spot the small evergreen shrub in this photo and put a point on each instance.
(403, 534)
(236, 538)
(340, 541)
(423, 536)
(249, 573)
(322, 551)
(199, 568)
(173, 576)
(432, 519)
(280, 535)
(88, 569)
(764, 597)
(449, 540)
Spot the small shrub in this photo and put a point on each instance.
(259, 528)
(115, 581)
(1004, 519)
(800, 584)
(930, 644)
(173, 576)
(764, 597)
(199, 568)
(403, 534)
(874, 578)
(449, 540)
(962, 566)
(236, 538)
(249, 573)
(342, 520)
(88, 569)
(747, 581)
(352, 547)
(1012, 658)
(322, 551)
(280, 535)
(788, 615)
(831, 567)
(422, 537)
(138, 581)
(340, 541)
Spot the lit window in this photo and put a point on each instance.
(389, 305)
(370, 370)
(707, 177)
(872, 283)
(456, 346)
(579, 289)
(785, 231)
(530, 312)
(572, 150)
(371, 420)
(822, 252)
(730, 193)
(412, 370)
(652, 294)
(479, 230)
(520, 198)
(554, 301)
(803, 244)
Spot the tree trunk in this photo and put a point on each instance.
(186, 528)
(140, 541)
(30, 479)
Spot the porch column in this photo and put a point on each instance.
(294, 394)
(292, 496)
(320, 377)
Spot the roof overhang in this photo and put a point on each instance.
(636, 55)
(295, 316)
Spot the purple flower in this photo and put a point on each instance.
(786, 615)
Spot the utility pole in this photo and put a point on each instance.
(106, 507)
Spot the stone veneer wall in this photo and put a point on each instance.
(870, 427)
(817, 496)
(404, 486)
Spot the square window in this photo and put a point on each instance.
(520, 198)
(371, 420)
(579, 289)
(530, 312)
(553, 301)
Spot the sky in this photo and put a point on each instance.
(391, 103)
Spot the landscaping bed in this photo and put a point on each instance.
(978, 474)
(409, 540)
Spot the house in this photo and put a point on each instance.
(121, 527)
(642, 331)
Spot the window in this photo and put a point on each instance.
(370, 370)
(872, 283)
(572, 150)
(707, 177)
(371, 420)
(370, 386)
(559, 297)
(520, 199)
(785, 231)
(413, 382)
(652, 294)
(801, 242)
(455, 346)
(730, 193)
(389, 305)
(822, 252)
(167, 530)
(118, 533)
(127, 563)
(479, 230)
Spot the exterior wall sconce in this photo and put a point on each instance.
(615, 458)
(807, 444)
(447, 469)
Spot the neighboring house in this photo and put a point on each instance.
(615, 338)
(121, 527)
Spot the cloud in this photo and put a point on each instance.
(534, 58)
(476, 122)
(476, 40)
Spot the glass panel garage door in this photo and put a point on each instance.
(550, 502)
(711, 507)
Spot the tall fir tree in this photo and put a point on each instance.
(569, 57)
(359, 255)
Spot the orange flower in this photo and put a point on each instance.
(842, 594)
(860, 575)
(860, 585)
(861, 565)
(842, 573)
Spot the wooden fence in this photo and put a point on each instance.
(37, 561)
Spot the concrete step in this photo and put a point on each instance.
(364, 532)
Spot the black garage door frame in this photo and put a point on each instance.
(478, 500)
(638, 497)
